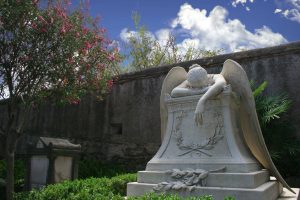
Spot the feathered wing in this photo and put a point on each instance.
(175, 76)
(237, 78)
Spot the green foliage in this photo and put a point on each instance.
(95, 168)
(154, 196)
(92, 188)
(19, 171)
(119, 183)
(229, 198)
(278, 131)
(52, 51)
(97, 188)
(269, 107)
(146, 51)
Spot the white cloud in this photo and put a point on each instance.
(295, 3)
(214, 30)
(126, 34)
(291, 11)
(163, 35)
(234, 3)
(247, 8)
(292, 14)
(277, 11)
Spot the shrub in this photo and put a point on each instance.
(95, 168)
(19, 176)
(278, 130)
(96, 189)
(119, 183)
(92, 188)
(19, 170)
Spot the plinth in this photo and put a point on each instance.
(211, 159)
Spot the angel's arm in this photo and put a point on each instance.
(184, 90)
(214, 90)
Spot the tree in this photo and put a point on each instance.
(146, 51)
(47, 53)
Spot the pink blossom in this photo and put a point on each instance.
(63, 29)
(88, 66)
(101, 66)
(111, 57)
(84, 31)
(70, 60)
(84, 51)
(43, 30)
(33, 25)
(88, 45)
(41, 19)
(34, 2)
(109, 84)
(74, 101)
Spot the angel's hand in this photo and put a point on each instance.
(199, 113)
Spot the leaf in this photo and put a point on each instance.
(208, 147)
(189, 182)
(169, 186)
(178, 186)
(191, 188)
(259, 89)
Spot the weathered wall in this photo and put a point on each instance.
(126, 125)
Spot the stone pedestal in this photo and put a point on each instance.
(210, 159)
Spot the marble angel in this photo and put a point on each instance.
(179, 83)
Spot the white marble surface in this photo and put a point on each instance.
(216, 143)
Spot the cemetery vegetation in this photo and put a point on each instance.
(143, 50)
(48, 53)
(98, 189)
(278, 131)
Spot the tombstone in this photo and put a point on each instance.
(51, 160)
(212, 142)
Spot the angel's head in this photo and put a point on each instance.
(197, 76)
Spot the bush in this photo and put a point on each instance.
(94, 168)
(119, 183)
(278, 130)
(19, 170)
(92, 188)
(96, 189)
(19, 176)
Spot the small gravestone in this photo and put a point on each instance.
(51, 160)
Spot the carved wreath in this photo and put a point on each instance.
(207, 144)
(185, 179)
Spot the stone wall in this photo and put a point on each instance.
(126, 125)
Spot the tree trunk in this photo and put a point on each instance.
(10, 162)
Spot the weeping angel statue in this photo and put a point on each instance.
(179, 83)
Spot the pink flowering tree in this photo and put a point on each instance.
(47, 53)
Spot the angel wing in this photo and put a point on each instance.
(237, 78)
(175, 76)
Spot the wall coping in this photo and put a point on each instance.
(208, 62)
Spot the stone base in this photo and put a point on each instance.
(243, 186)
(232, 180)
(266, 191)
(288, 195)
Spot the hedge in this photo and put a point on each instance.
(95, 189)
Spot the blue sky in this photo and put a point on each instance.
(212, 24)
